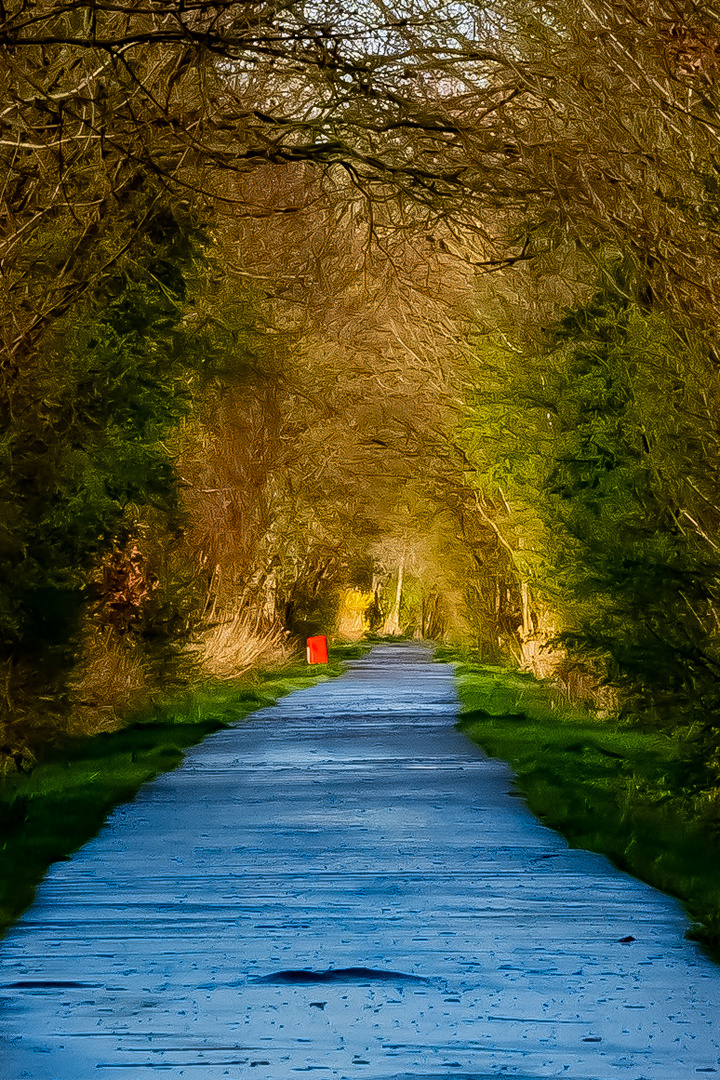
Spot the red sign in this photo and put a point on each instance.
(317, 650)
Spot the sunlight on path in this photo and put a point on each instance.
(344, 886)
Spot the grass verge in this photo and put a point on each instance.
(626, 793)
(48, 813)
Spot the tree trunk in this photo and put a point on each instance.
(392, 626)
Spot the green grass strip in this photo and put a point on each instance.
(606, 786)
(50, 812)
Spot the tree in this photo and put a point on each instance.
(608, 448)
(500, 140)
(86, 466)
(631, 504)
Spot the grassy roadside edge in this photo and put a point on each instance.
(48, 813)
(606, 786)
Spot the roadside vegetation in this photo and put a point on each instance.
(50, 811)
(627, 791)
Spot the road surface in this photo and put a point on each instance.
(345, 886)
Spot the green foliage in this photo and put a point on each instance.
(630, 501)
(86, 465)
(628, 794)
(612, 450)
(310, 608)
(168, 618)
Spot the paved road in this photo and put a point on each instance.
(346, 886)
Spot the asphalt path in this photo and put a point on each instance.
(344, 885)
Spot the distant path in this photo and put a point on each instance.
(349, 828)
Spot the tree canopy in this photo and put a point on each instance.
(398, 317)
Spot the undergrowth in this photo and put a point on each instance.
(606, 786)
(48, 813)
